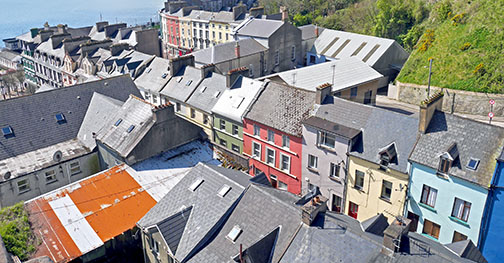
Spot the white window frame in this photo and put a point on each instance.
(73, 170)
(312, 161)
(282, 186)
(268, 150)
(222, 124)
(282, 164)
(254, 148)
(383, 188)
(360, 187)
(257, 130)
(234, 129)
(272, 134)
(50, 176)
(25, 185)
(323, 136)
(235, 148)
(334, 173)
(293, 53)
(286, 141)
(277, 58)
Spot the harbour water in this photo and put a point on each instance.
(18, 16)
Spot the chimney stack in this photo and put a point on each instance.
(177, 63)
(427, 109)
(316, 31)
(237, 49)
(101, 25)
(322, 92)
(62, 29)
(311, 209)
(256, 12)
(111, 29)
(285, 14)
(34, 32)
(239, 10)
(116, 49)
(233, 74)
(393, 234)
(207, 69)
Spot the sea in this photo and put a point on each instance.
(19, 16)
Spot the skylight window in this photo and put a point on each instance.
(118, 122)
(7, 131)
(131, 128)
(196, 184)
(164, 75)
(217, 94)
(188, 83)
(180, 79)
(234, 233)
(473, 164)
(224, 190)
(60, 117)
(203, 89)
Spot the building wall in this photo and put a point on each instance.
(361, 91)
(492, 227)
(222, 28)
(282, 41)
(291, 178)
(171, 34)
(149, 255)
(186, 33)
(253, 62)
(447, 189)
(369, 198)
(320, 177)
(148, 41)
(10, 194)
(199, 119)
(202, 34)
(227, 134)
(108, 157)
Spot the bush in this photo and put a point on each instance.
(16, 232)
(479, 69)
(465, 46)
(427, 40)
(443, 10)
(458, 19)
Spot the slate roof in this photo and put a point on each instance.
(282, 107)
(383, 128)
(173, 227)
(152, 77)
(100, 112)
(261, 28)
(225, 52)
(207, 207)
(348, 73)
(339, 238)
(234, 102)
(9, 55)
(473, 139)
(177, 87)
(308, 31)
(208, 92)
(32, 118)
(260, 211)
(369, 49)
(136, 117)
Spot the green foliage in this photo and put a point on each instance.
(427, 40)
(442, 10)
(301, 20)
(16, 232)
(467, 56)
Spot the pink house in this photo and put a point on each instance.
(272, 134)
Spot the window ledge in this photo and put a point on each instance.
(335, 179)
(359, 189)
(313, 170)
(76, 173)
(327, 148)
(452, 218)
(24, 191)
(428, 207)
(429, 236)
(385, 199)
(52, 181)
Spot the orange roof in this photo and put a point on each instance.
(110, 202)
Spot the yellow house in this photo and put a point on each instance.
(378, 167)
(220, 32)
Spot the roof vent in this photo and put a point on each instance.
(224, 190)
(57, 156)
(7, 175)
(196, 184)
(234, 233)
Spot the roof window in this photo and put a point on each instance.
(203, 89)
(60, 117)
(473, 164)
(217, 94)
(234, 233)
(188, 83)
(224, 190)
(196, 184)
(7, 131)
(180, 79)
(164, 75)
(118, 122)
(131, 128)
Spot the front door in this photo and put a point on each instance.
(367, 97)
(352, 210)
(414, 221)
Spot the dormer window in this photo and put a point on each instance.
(447, 158)
(444, 165)
(388, 155)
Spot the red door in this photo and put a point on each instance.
(352, 210)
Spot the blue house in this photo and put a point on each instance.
(490, 242)
(451, 170)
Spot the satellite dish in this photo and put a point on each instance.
(57, 156)
(7, 175)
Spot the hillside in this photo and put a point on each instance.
(465, 39)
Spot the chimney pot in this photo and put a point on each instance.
(285, 13)
(233, 74)
(311, 209)
(322, 92)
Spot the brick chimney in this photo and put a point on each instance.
(237, 49)
(312, 208)
(322, 92)
(316, 31)
(285, 13)
(393, 234)
(427, 109)
(177, 63)
(256, 12)
(62, 29)
(233, 74)
(207, 69)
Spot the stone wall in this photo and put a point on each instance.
(459, 101)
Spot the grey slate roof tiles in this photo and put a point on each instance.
(173, 227)
(282, 107)
(225, 52)
(474, 140)
(208, 92)
(182, 84)
(32, 118)
(259, 28)
(155, 76)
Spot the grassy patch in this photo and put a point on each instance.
(467, 49)
(15, 230)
